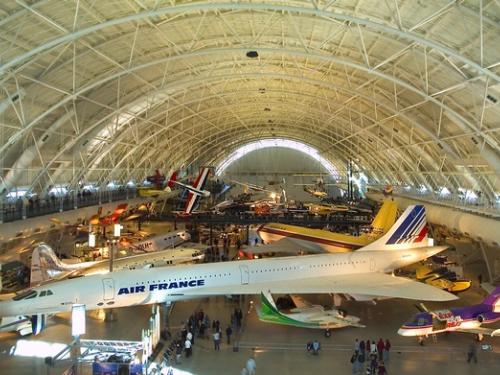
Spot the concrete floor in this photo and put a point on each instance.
(279, 349)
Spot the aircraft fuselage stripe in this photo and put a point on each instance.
(322, 241)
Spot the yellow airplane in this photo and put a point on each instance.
(442, 278)
(295, 239)
(157, 192)
(325, 209)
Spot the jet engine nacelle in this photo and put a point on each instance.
(487, 316)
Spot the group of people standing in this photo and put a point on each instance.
(374, 355)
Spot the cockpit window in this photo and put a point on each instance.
(25, 295)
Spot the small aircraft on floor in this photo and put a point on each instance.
(305, 314)
(460, 319)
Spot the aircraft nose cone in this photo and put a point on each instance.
(403, 332)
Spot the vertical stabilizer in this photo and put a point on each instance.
(493, 300)
(410, 231)
(171, 182)
(385, 218)
(43, 262)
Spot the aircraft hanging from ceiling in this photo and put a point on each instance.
(157, 191)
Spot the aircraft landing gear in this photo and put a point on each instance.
(421, 340)
(328, 333)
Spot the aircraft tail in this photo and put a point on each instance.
(199, 184)
(493, 299)
(171, 181)
(44, 262)
(268, 311)
(385, 218)
(410, 231)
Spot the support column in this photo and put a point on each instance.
(486, 260)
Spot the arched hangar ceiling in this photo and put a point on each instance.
(109, 90)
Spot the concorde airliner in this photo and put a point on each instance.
(362, 273)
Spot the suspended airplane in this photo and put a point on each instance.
(305, 314)
(196, 191)
(360, 273)
(442, 278)
(325, 209)
(460, 319)
(283, 238)
(317, 189)
(249, 186)
(158, 192)
(110, 219)
(157, 179)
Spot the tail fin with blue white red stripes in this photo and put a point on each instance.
(410, 231)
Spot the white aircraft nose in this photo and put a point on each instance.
(404, 332)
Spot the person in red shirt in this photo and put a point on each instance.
(386, 351)
(380, 348)
(381, 369)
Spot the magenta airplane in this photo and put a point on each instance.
(461, 319)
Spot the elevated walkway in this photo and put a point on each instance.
(479, 227)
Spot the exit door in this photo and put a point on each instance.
(108, 288)
(372, 264)
(245, 276)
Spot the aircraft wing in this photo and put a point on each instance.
(300, 302)
(286, 246)
(371, 284)
(480, 331)
(328, 320)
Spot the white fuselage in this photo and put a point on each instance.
(160, 242)
(155, 259)
(137, 287)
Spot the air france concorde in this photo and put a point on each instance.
(363, 273)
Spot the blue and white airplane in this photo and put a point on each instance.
(363, 273)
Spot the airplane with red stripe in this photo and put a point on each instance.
(196, 191)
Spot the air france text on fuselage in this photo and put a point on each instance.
(162, 286)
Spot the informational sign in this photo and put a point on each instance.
(77, 320)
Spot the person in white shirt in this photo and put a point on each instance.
(216, 336)
(251, 366)
(188, 347)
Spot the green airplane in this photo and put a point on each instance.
(305, 314)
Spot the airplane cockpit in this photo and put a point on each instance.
(30, 293)
(420, 320)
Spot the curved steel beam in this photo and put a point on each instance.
(217, 7)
